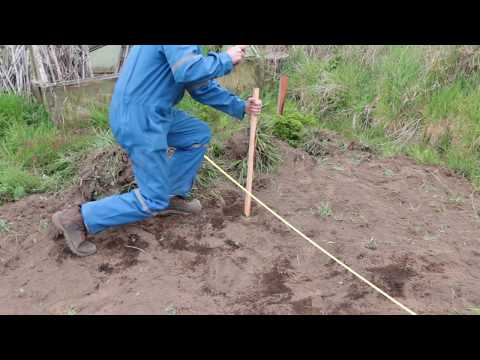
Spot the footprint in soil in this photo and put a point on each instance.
(273, 281)
(180, 243)
(106, 268)
(393, 277)
(232, 244)
(304, 307)
(355, 293)
(231, 203)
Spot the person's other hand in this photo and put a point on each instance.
(253, 106)
(237, 53)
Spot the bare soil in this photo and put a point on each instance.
(411, 229)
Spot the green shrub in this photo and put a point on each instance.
(289, 129)
(292, 126)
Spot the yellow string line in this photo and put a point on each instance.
(396, 302)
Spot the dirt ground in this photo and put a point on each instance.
(412, 230)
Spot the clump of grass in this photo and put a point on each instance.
(171, 310)
(72, 311)
(31, 146)
(388, 172)
(475, 311)
(16, 109)
(371, 244)
(37, 156)
(419, 100)
(206, 176)
(267, 155)
(4, 226)
(292, 127)
(456, 199)
(99, 117)
(324, 210)
(15, 182)
(290, 130)
(315, 144)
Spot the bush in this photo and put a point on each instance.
(292, 126)
(289, 129)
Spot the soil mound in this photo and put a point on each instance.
(412, 230)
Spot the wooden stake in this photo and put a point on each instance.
(282, 94)
(86, 52)
(251, 156)
(38, 62)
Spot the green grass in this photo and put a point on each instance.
(376, 94)
(223, 127)
(35, 155)
(99, 117)
(18, 110)
(4, 226)
(324, 210)
(475, 311)
(72, 311)
(372, 94)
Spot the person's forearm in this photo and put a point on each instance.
(219, 98)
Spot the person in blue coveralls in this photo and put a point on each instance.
(145, 122)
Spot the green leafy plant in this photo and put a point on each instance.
(289, 129)
(4, 227)
(325, 210)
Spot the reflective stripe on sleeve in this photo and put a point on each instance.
(183, 61)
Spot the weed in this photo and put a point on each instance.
(44, 224)
(206, 176)
(171, 310)
(456, 200)
(290, 130)
(388, 173)
(292, 127)
(371, 244)
(72, 311)
(267, 155)
(15, 181)
(422, 101)
(324, 210)
(37, 156)
(16, 109)
(99, 117)
(4, 226)
(475, 311)
(316, 146)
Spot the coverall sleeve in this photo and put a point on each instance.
(189, 66)
(212, 94)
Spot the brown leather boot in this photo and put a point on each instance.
(180, 206)
(70, 223)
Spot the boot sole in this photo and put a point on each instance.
(57, 222)
(176, 212)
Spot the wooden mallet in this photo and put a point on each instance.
(251, 156)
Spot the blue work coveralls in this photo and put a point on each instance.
(146, 123)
